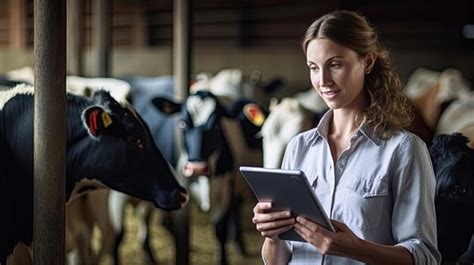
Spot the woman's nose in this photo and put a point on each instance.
(324, 78)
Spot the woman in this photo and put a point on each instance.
(374, 179)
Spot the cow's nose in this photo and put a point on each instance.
(183, 199)
(192, 169)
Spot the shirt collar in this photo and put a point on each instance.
(323, 128)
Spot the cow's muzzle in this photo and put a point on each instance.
(192, 169)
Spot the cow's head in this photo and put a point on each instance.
(204, 139)
(121, 154)
(286, 119)
(452, 162)
(454, 199)
(199, 122)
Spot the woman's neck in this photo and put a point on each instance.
(343, 123)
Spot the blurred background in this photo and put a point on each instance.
(261, 35)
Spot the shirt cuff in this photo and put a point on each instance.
(421, 253)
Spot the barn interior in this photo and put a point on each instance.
(261, 39)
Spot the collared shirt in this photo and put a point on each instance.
(383, 190)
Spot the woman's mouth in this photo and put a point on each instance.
(330, 94)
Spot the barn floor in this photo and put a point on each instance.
(203, 244)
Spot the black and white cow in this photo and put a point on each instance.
(105, 141)
(453, 164)
(209, 154)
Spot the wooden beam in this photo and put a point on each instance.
(17, 23)
(75, 37)
(103, 35)
(139, 30)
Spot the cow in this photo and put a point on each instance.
(454, 198)
(458, 117)
(209, 154)
(106, 142)
(286, 119)
(92, 207)
(432, 92)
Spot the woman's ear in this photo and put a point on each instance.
(369, 62)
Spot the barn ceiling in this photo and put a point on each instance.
(402, 23)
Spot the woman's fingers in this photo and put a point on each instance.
(271, 223)
(275, 232)
(275, 224)
(262, 207)
(310, 226)
(271, 216)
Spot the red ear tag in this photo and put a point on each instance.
(254, 114)
(93, 122)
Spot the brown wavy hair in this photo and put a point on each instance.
(389, 109)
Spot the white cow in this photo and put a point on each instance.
(430, 89)
(84, 86)
(287, 119)
(459, 117)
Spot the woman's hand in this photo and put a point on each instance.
(271, 223)
(343, 242)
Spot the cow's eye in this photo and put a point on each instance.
(458, 191)
(136, 141)
(182, 124)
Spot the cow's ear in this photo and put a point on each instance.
(96, 120)
(165, 105)
(254, 114)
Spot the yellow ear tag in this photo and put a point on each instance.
(106, 120)
(254, 114)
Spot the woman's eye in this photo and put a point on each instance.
(335, 65)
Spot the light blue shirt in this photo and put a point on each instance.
(383, 190)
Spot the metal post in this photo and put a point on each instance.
(103, 35)
(181, 70)
(49, 131)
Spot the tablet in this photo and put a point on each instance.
(287, 190)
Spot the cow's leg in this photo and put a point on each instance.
(86, 255)
(468, 257)
(221, 231)
(221, 191)
(116, 209)
(97, 203)
(118, 240)
(236, 225)
(146, 236)
(78, 231)
(177, 224)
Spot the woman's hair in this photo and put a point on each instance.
(389, 108)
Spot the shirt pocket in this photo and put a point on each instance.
(364, 201)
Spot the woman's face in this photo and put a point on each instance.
(337, 73)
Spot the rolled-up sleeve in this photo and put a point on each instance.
(414, 216)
